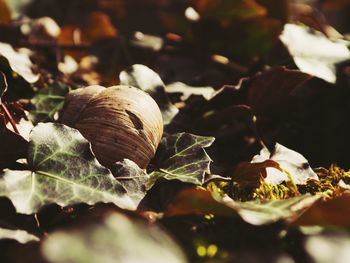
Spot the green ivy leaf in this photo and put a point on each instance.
(115, 238)
(63, 170)
(182, 157)
(149, 81)
(48, 102)
(19, 235)
(132, 177)
(313, 52)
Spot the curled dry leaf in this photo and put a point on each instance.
(119, 121)
(251, 174)
(146, 79)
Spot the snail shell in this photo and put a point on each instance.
(119, 121)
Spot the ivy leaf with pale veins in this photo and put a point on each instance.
(48, 102)
(149, 81)
(182, 157)
(62, 170)
(19, 235)
(313, 52)
(132, 177)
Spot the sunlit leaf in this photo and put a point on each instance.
(147, 41)
(313, 52)
(187, 91)
(149, 81)
(19, 62)
(63, 170)
(182, 157)
(115, 238)
(19, 235)
(291, 161)
(328, 247)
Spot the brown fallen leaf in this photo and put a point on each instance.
(334, 212)
(199, 201)
(249, 174)
(273, 87)
(5, 14)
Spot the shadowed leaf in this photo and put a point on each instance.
(13, 145)
(48, 102)
(187, 91)
(182, 157)
(132, 177)
(273, 87)
(217, 9)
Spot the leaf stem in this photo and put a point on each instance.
(9, 117)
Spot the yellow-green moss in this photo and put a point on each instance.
(327, 186)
